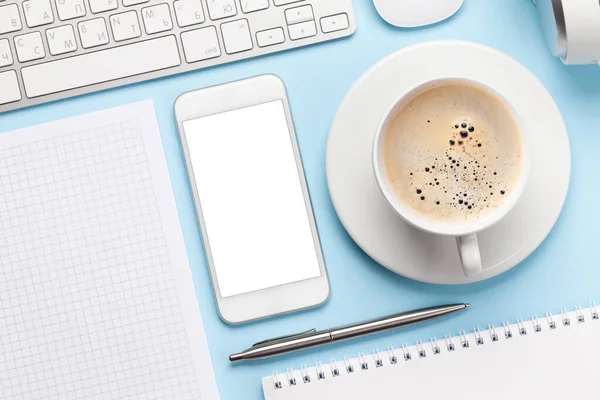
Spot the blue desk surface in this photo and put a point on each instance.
(564, 271)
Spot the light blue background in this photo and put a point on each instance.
(562, 272)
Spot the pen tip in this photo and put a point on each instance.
(235, 357)
(467, 305)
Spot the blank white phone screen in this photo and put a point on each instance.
(251, 199)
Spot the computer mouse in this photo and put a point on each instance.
(413, 13)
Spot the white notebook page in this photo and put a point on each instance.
(550, 364)
(96, 293)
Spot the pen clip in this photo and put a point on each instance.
(280, 338)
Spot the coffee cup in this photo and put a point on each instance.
(452, 200)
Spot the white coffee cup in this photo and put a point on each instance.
(465, 232)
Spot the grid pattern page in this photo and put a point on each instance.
(96, 294)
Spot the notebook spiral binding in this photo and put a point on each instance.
(434, 347)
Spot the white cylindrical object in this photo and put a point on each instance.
(582, 19)
(572, 29)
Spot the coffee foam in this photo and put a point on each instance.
(453, 153)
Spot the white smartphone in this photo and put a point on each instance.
(252, 200)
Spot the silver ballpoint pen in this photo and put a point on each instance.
(312, 338)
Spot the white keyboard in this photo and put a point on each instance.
(52, 49)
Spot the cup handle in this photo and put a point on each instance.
(470, 257)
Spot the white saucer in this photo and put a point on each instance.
(372, 223)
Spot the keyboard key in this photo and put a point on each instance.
(101, 66)
(249, 6)
(200, 44)
(189, 12)
(236, 36)
(270, 37)
(284, 2)
(93, 33)
(302, 30)
(10, 87)
(61, 40)
(69, 9)
(98, 6)
(299, 14)
(218, 9)
(10, 21)
(335, 23)
(157, 18)
(125, 26)
(134, 2)
(38, 12)
(29, 47)
(6, 57)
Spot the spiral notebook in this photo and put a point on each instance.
(554, 357)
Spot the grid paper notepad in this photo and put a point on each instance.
(554, 357)
(96, 293)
